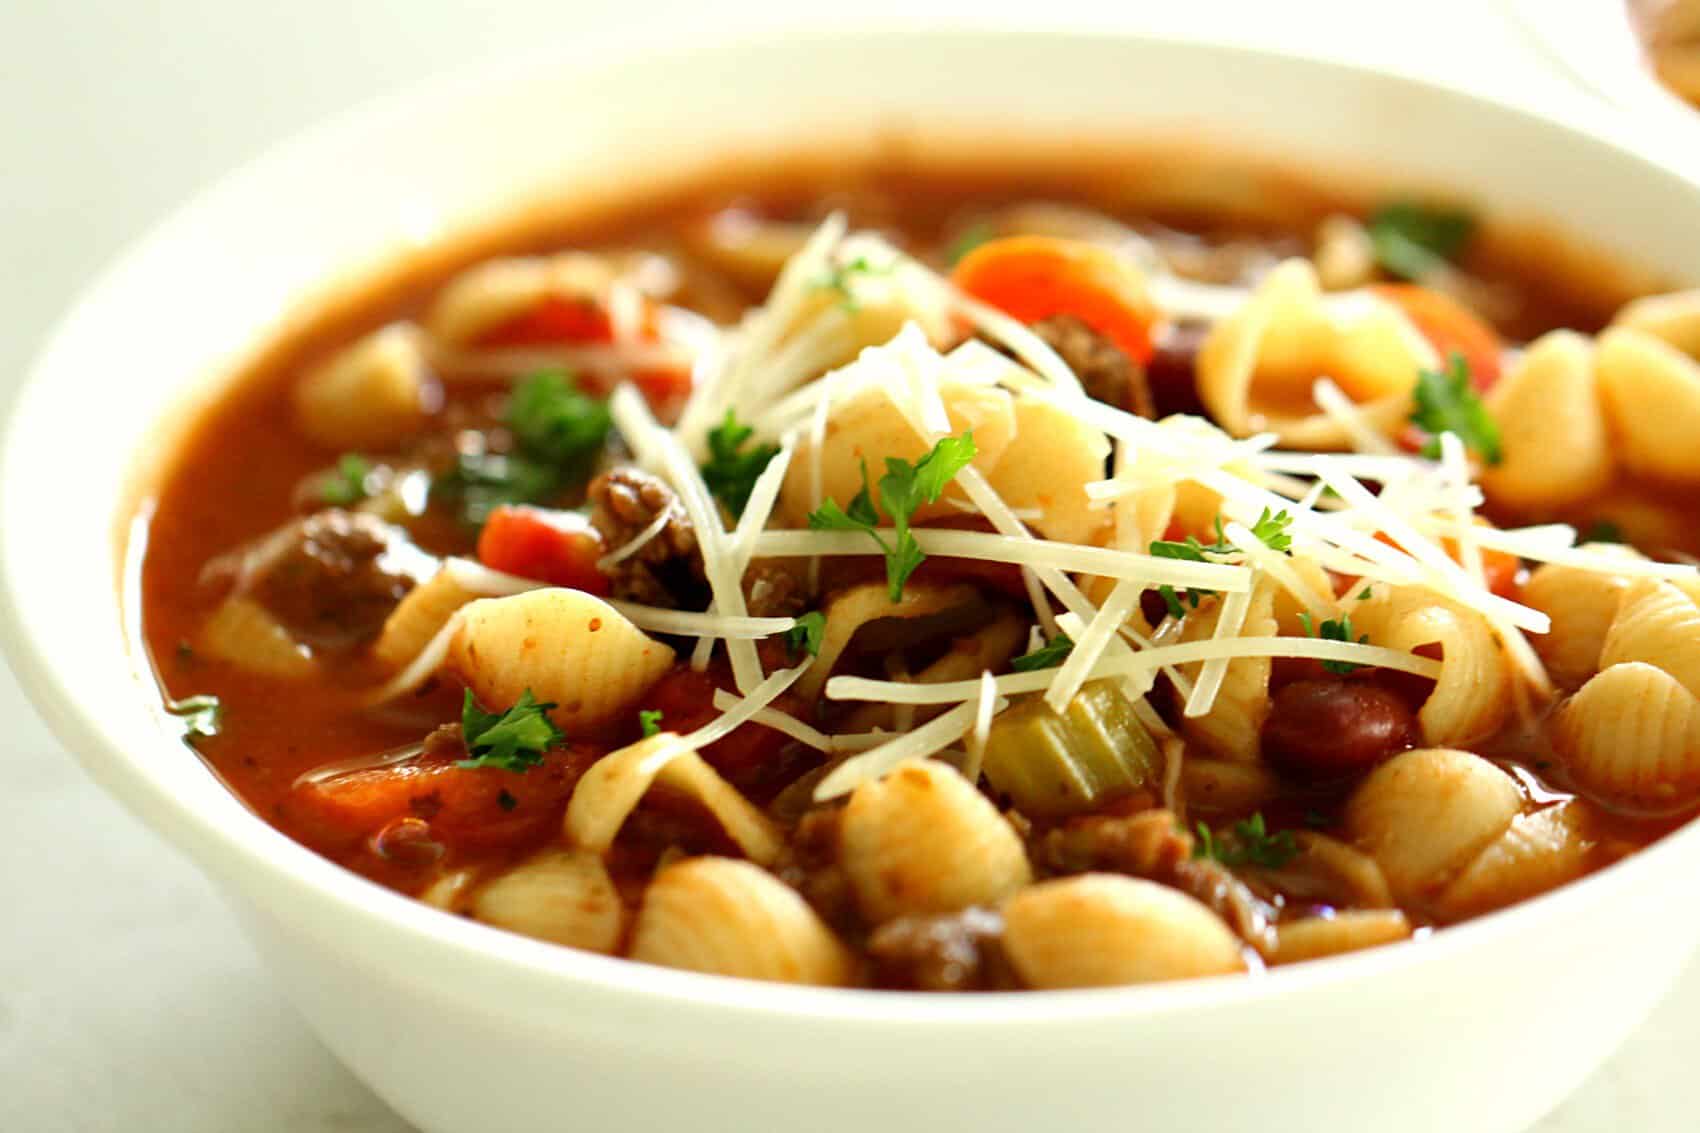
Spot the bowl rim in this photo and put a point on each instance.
(360, 915)
(1597, 47)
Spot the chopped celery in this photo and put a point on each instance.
(1053, 764)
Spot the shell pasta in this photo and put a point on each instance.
(925, 580)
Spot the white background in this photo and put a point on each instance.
(127, 999)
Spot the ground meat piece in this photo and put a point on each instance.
(949, 952)
(1152, 845)
(331, 579)
(1108, 375)
(667, 570)
(772, 591)
(810, 866)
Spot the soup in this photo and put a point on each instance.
(921, 578)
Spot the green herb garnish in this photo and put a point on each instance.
(1447, 404)
(649, 722)
(1335, 629)
(1248, 843)
(513, 740)
(347, 483)
(480, 482)
(732, 470)
(1048, 656)
(841, 277)
(202, 717)
(806, 635)
(1270, 530)
(1414, 240)
(1604, 531)
(903, 489)
(967, 240)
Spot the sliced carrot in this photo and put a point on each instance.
(1450, 327)
(1037, 277)
(557, 547)
(555, 321)
(474, 808)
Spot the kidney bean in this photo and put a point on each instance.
(1171, 372)
(1333, 727)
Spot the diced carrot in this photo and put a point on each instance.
(475, 808)
(685, 699)
(1450, 327)
(1036, 277)
(553, 322)
(557, 547)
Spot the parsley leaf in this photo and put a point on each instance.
(1270, 530)
(513, 740)
(1412, 240)
(730, 473)
(1334, 630)
(1447, 404)
(1603, 531)
(480, 482)
(1048, 656)
(904, 488)
(649, 721)
(347, 483)
(202, 716)
(806, 635)
(1248, 843)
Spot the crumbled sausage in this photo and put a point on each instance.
(1108, 375)
(1332, 727)
(810, 866)
(668, 569)
(949, 952)
(331, 578)
(773, 591)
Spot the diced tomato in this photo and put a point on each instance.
(1450, 327)
(473, 808)
(555, 321)
(557, 547)
(685, 699)
(1036, 277)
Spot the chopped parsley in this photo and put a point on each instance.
(903, 489)
(649, 722)
(558, 431)
(1248, 843)
(1447, 404)
(513, 740)
(202, 717)
(806, 635)
(1603, 531)
(732, 470)
(1048, 656)
(841, 277)
(348, 482)
(1414, 240)
(1270, 530)
(1335, 629)
(1365, 593)
(967, 240)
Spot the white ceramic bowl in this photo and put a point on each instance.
(1595, 42)
(460, 1027)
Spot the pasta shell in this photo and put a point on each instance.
(244, 633)
(1537, 853)
(1052, 457)
(1582, 605)
(924, 840)
(1345, 255)
(1675, 318)
(1330, 872)
(562, 896)
(1658, 624)
(1257, 369)
(1473, 693)
(1652, 397)
(866, 428)
(1103, 930)
(565, 646)
(485, 297)
(418, 617)
(1424, 814)
(1233, 727)
(1349, 931)
(731, 918)
(450, 891)
(1631, 739)
(1215, 786)
(373, 394)
(1551, 426)
(857, 607)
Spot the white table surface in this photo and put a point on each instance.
(128, 1001)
